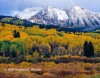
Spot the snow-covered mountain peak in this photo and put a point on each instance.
(77, 8)
(60, 14)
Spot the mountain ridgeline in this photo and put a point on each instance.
(73, 19)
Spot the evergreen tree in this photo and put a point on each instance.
(90, 49)
(85, 49)
(16, 34)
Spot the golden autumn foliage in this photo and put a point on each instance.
(73, 43)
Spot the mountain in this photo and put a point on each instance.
(28, 13)
(70, 18)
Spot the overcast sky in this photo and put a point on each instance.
(8, 6)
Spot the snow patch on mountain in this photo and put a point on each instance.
(28, 13)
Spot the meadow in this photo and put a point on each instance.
(51, 70)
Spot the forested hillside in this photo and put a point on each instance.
(15, 21)
(32, 42)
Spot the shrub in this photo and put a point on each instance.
(25, 64)
(5, 60)
(98, 76)
(49, 74)
(98, 68)
(88, 67)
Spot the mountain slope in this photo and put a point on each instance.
(50, 15)
(83, 17)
